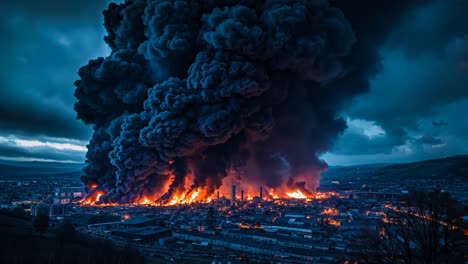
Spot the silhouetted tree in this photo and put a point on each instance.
(430, 220)
(424, 232)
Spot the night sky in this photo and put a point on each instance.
(416, 107)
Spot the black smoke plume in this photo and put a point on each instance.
(209, 88)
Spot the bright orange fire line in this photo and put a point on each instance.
(297, 195)
(198, 196)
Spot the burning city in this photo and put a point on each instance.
(334, 223)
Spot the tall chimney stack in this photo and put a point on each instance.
(217, 195)
(233, 194)
(242, 196)
(261, 193)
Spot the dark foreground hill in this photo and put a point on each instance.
(20, 244)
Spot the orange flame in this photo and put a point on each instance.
(98, 197)
(145, 201)
(296, 195)
(194, 196)
(93, 198)
(334, 222)
(272, 194)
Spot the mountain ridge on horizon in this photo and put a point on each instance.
(21, 163)
(456, 162)
(448, 167)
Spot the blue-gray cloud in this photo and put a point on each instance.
(21, 148)
(422, 80)
(43, 44)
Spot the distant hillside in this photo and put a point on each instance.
(35, 168)
(455, 167)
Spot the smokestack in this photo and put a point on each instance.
(261, 193)
(217, 195)
(233, 194)
(242, 196)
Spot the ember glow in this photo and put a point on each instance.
(126, 217)
(247, 226)
(333, 222)
(330, 211)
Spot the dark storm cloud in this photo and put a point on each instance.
(431, 28)
(39, 119)
(440, 123)
(455, 128)
(43, 43)
(422, 73)
(354, 143)
(428, 140)
(71, 12)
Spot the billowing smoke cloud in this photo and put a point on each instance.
(207, 89)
